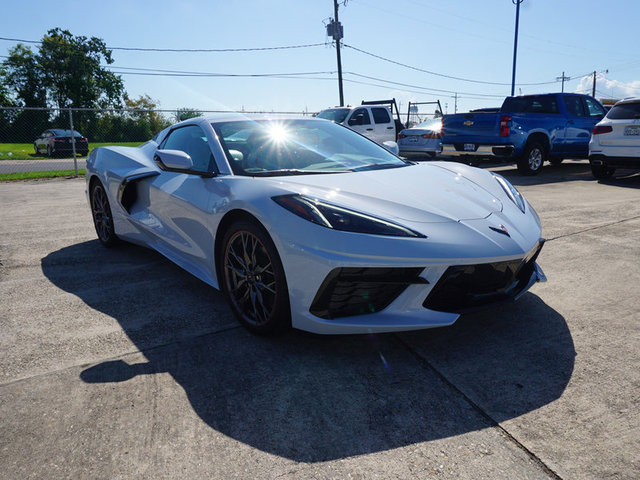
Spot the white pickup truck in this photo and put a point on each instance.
(372, 121)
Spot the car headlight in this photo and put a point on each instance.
(338, 218)
(511, 191)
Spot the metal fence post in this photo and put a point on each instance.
(73, 143)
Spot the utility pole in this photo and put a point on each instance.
(455, 108)
(563, 78)
(593, 92)
(334, 29)
(515, 45)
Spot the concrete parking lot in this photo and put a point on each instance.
(117, 364)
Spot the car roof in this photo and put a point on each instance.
(629, 100)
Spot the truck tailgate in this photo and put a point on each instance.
(470, 127)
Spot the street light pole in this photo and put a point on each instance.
(515, 45)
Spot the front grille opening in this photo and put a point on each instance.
(467, 287)
(359, 291)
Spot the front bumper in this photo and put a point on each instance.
(341, 295)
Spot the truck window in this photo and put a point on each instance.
(531, 104)
(380, 115)
(336, 115)
(574, 106)
(360, 117)
(593, 108)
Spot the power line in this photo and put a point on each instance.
(182, 73)
(186, 50)
(288, 47)
(423, 88)
(440, 74)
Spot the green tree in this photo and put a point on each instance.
(23, 85)
(144, 111)
(187, 113)
(73, 74)
(65, 72)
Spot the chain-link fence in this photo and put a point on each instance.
(52, 139)
(419, 112)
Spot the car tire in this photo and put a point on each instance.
(49, 151)
(532, 159)
(602, 172)
(253, 279)
(102, 217)
(555, 160)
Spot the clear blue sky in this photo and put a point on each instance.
(471, 39)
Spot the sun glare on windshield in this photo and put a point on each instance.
(278, 133)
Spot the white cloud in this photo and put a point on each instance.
(606, 88)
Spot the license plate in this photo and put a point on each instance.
(632, 131)
(469, 147)
(412, 139)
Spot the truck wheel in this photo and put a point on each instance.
(531, 160)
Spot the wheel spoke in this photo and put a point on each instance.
(268, 287)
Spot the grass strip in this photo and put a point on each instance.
(7, 177)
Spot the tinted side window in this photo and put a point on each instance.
(380, 115)
(360, 117)
(531, 104)
(191, 140)
(626, 111)
(593, 108)
(574, 106)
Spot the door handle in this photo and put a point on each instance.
(369, 129)
(390, 128)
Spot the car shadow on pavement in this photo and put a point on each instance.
(314, 398)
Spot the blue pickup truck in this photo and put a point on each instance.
(528, 129)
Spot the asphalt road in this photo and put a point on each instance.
(41, 165)
(117, 364)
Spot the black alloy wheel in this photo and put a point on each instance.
(253, 279)
(102, 217)
(534, 155)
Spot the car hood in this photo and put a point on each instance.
(416, 193)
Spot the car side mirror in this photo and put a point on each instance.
(391, 146)
(174, 160)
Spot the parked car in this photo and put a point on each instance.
(528, 129)
(373, 121)
(615, 141)
(421, 139)
(308, 224)
(56, 141)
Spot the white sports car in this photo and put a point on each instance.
(302, 222)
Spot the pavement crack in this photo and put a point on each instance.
(534, 458)
(594, 228)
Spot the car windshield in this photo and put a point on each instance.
(434, 125)
(299, 147)
(334, 114)
(625, 111)
(66, 133)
